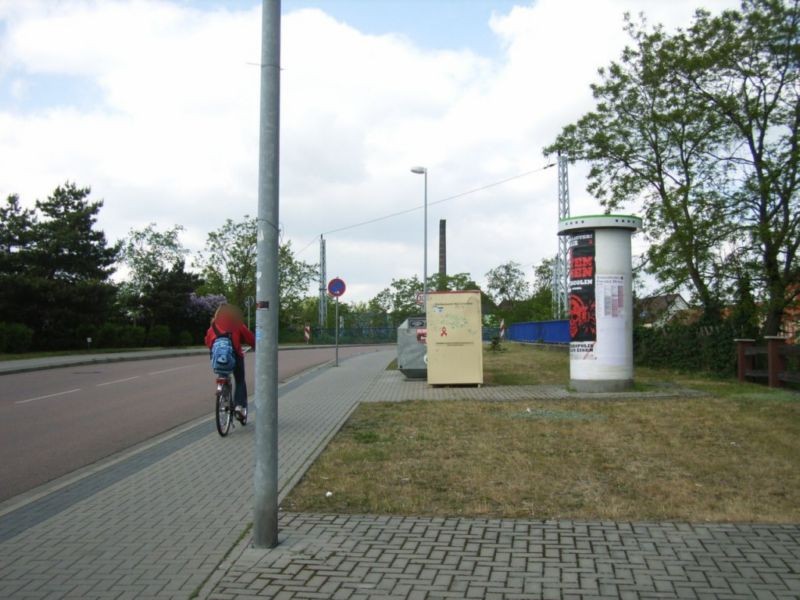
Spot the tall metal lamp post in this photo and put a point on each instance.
(424, 171)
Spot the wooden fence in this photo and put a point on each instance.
(777, 352)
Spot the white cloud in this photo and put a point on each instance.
(174, 136)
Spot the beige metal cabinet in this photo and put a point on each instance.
(455, 347)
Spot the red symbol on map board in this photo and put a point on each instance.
(444, 332)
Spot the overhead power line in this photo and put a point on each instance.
(420, 207)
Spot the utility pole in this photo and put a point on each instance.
(323, 296)
(561, 268)
(265, 479)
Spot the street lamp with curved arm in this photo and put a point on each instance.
(424, 171)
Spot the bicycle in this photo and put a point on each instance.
(224, 405)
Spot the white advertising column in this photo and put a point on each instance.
(600, 301)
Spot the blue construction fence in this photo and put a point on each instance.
(543, 332)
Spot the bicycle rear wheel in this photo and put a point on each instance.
(224, 410)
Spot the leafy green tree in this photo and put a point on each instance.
(541, 303)
(507, 283)
(295, 276)
(154, 259)
(648, 140)
(228, 261)
(745, 67)
(228, 265)
(167, 299)
(701, 128)
(399, 300)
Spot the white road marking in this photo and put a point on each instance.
(48, 396)
(117, 381)
(172, 369)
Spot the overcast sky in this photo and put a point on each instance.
(154, 105)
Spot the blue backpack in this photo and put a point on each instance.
(223, 356)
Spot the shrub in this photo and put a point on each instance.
(159, 336)
(15, 337)
(108, 335)
(131, 336)
(84, 331)
(687, 348)
(185, 339)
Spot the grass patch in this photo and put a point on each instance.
(392, 366)
(522, 364)
(729, 456)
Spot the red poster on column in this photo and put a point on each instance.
(582, 321)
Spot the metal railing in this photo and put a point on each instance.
(751, 362)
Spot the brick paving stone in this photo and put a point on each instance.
(465, 572)
(173, 507)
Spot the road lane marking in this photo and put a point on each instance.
(117, 381)
(172, 369)
(48, 396)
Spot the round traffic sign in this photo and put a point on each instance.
(336, 287)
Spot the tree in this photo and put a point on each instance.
(399, 300)
(154, 259)
(167, 299)
(68, 247)
(541, 303)
(507, 283)
(55, 266)
(228, 261)
(701, 128)
(16, 235)
(744, 65)
(16, 240)
(647, 140)
(228, 265)
(295, 276)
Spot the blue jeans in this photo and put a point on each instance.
(240, 392)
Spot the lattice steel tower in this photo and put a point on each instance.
(560, 268)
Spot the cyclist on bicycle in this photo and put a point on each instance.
(228, 321)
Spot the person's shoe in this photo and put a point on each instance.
(241, 414)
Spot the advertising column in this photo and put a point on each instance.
(600, 301)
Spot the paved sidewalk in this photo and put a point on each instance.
(411, 558)
(369, 557)
(156, 525)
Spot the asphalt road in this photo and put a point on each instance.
(55, 421)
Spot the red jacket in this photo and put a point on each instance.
(239, 333)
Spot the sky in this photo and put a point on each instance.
(154, 105)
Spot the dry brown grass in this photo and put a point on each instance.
(730, 456)
(522, 364)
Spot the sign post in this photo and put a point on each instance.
(336, 287)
